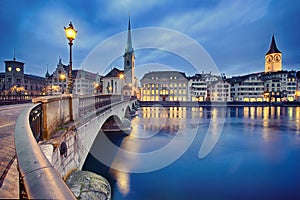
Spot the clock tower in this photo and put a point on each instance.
(129, 60)
(14, 74)
(273, 58)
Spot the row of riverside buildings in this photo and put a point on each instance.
(271, 85)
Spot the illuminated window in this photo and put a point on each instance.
(152, 92)
(175, 85)
(156, 92)
(179, 91)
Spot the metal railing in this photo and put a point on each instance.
(35, 121)
(40, 180)
(16, 98)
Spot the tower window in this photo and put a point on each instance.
(127, 63)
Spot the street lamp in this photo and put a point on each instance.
(71, 35)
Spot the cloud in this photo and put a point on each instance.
(224, 15)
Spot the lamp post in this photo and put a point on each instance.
(71, 35)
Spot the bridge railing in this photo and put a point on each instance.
(40, 180)
(92, 103)
(15, 99)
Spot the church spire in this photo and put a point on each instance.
(273, 47)
(47, 73)
(128, 48)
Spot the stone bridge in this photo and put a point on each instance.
(56, 135)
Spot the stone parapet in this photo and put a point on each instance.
(57, 110)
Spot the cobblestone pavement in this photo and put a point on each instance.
(9, 176)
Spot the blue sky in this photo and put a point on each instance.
(236, 33)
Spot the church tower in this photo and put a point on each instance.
(273, 58)
(129, 59)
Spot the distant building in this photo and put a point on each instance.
(164, 86)
(15, 81)
(247, 88)
(298, 86)
(197, 87)
(273, 58)
(280, 86)
(219, 91)
(113, 82)
(84, 82)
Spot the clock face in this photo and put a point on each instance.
(9, 68)
(18, 69)
(277, 58)
(269, 59)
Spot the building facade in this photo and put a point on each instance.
(164, 86)
(248, 88)
(15, 81)
(219, 91)
(197, 88)
(84, 82)
(113, 82)
(280, 86)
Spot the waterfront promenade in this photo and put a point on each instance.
(9, 175)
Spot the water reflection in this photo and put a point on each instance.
(261, 140)
(122, 180)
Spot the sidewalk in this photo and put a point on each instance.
(9, 175)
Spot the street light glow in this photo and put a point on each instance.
(70, 32)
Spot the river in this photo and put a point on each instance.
(256, 154)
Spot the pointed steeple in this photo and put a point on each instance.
(47, 73)
(59, 61)
(128, 48)
(273, 47)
